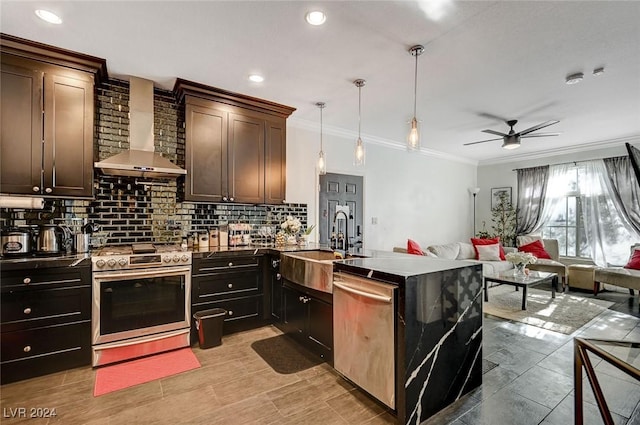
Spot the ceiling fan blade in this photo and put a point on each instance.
(541, 135)
(481, 141)
(497, 133)
(492, 117)
(538, 127)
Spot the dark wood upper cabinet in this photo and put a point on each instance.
(275, 162)
(21, 132)
(47, 136)
(246, 159)
(206, 153)
(235, 146)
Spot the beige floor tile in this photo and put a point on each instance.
(355, 407)
(252, 384)
(172, 409)
(203, 376)
(258, 409)
(109, 404)
(320, 414)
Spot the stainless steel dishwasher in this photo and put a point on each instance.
(363, 334)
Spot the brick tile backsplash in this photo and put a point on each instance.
(130, 210)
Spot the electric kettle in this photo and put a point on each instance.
(53, 239)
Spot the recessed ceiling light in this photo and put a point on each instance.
(316, 17)
(598, 71)
(47, 16)
(256, 78)
(574, 78)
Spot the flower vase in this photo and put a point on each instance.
(519, 270)
(303, 240)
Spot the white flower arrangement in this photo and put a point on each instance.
(291, 226)
(521, 258)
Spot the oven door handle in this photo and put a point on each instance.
(362, 293)
(141, 273)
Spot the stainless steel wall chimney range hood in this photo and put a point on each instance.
(140, 160)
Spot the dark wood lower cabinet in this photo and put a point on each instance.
(233, 283)
(45, 321)
(308, 319)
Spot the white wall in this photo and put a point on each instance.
(412, 195)
(504, 175)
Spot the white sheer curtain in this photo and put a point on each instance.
(609, 234)
(557, 189)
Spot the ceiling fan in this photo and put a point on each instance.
(512, 139)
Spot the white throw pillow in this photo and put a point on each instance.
(447, 252)
(488, 252)
(527, 239)
(466, 251)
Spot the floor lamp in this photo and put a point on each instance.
(474, 191)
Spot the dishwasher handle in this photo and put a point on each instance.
(362, 293)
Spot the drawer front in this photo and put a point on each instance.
(224, 264)
(237, 309)
(28, 309)
(44, 341)
(213, 287)
(75, 355)
(45, 278)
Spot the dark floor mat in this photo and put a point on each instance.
(487, 365)
(284, 355)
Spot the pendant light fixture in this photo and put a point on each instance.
(358, 159)
(413, 139)
(322, 163)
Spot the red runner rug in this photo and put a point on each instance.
(134, 372)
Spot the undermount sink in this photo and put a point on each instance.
(313, 269)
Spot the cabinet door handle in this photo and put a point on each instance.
(230, 312)
(230, 285)
(231, 199)
(27, 310)
(26, 280)
(27, 349)
(278, 276)
(224, 198)
(36, 189)
(48, 190)
(230, 264)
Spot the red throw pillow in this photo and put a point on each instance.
(414, 248)
(536, 248)
(634, 261)
(496, 240)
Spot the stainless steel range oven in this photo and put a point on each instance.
(141, 301)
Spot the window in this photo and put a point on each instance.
(566, 223)
(579, 212)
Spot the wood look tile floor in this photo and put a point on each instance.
(532, 384)
(233, 386)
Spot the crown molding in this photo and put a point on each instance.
(368, 138)
(603, 144)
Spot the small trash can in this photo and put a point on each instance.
(209, 326)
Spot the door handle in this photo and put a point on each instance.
(362, 293)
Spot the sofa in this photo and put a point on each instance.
(618, 276)
(465, 251)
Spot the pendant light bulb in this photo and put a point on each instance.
(322, 163)
(358, 158)
(359, 152)
(413, 138)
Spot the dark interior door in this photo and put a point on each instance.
(341, 189)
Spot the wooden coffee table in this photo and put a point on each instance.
(534, 278)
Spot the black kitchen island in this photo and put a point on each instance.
(438, 328)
